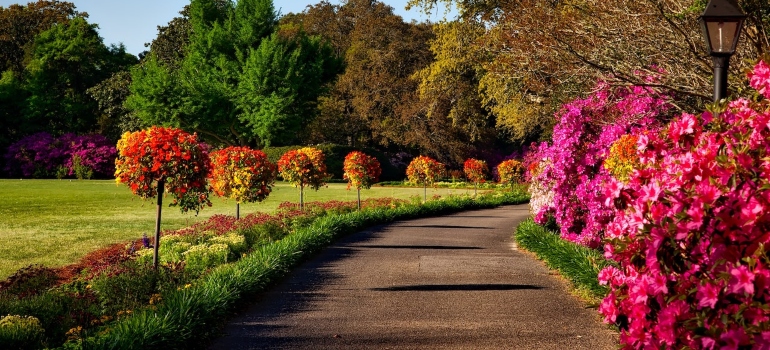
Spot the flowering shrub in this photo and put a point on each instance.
(168, 156)
(304, 167)
(242, 174)
(510, 171)
(622, 158)
(42, 155)
(475, 170)
(361, 170)
(571, 166)
(691, 232)
(424, 170)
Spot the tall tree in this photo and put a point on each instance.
(281, 84)
(227, 48)
(19, 25)
(65, 61)
(538, 54)
(375, 101)
(113, 118)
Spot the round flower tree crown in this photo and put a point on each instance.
(164, 155)
(304, 167)
(361, 171)
(243, 174)
(476, 171)
(424, 170)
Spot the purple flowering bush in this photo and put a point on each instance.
(567, 175)
(42, 156)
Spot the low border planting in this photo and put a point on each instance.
(186, 315)
(579, 264)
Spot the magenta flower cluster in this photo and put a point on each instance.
(691, 232)
(42, 155)
(570, 167)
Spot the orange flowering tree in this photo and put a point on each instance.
(157, 159)
(510, 171)
(424, 170)
(476, 171)
(361, 171)
(243, 174)
(304, 167)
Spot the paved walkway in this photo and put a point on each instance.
(451, 282)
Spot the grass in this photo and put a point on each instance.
(578, 264)
(55, 222)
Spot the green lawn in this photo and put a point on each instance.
(55, 222)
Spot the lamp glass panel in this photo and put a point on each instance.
(722, 36)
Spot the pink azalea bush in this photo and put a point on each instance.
(569, 169)
(42, 155)
(691, 232)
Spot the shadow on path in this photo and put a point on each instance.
(456, 287)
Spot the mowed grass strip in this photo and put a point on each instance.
(56, 222)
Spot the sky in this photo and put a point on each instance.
(135, 22)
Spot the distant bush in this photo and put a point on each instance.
(43, 156)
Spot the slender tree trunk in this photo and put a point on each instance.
(475, 189)
(424, 193)
(302, 198)
(359, 199)
(237, 211)
(156, 245)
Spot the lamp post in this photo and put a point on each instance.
(721, 22)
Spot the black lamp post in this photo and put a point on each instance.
(721, 23)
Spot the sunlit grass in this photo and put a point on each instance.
(55, 222)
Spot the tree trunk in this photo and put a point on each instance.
(237, 211)
(156, 244)
(359, 199)
(302, 198)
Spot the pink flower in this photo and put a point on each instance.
(741, 280)
(759, 78)
(751, 211)
(650, 192)
(762, 341)
(707, 295)
(734, 338)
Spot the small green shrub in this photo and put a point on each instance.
(203, 256)
(82, 172)
(126, 287)
(21, 332)
(261, 234)
(235, 242)
(173, 250)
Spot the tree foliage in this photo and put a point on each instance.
(242, 174)
(165, 157)
(66, 61)
(240, 80)
(536, 55)
(19, 25)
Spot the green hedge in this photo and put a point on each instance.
(335, 157)
(185, 317)
(579, 264)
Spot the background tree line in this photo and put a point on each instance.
(355, 74)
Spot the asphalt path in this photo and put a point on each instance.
(449, 282)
